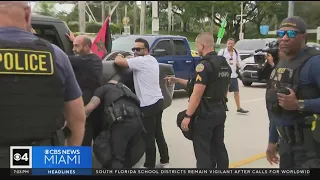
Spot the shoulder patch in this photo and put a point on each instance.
(200, 68)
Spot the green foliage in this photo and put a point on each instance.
(95, 27)
(46, 8)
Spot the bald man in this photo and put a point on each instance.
(37, 89)
(87, 67)
(207, 89)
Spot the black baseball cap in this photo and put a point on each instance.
(295, 22)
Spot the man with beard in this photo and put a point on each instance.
(293, 99)
(87, 67)
(146, 83)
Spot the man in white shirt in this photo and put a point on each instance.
(234, 61)
(146, 83)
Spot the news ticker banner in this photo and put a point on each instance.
(162, 172)
(65, 160)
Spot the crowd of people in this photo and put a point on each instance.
(123, 123)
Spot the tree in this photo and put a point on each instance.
(46, 8)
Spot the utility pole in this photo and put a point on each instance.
(134, 17)
(103, 12)
(241, 22)
(155, 17)
(212, 18)
(82, 16)
(169, 16)
(290, 8)
(143, 17)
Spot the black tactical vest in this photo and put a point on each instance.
(31, 93)
(118, 91)
(286, 75)
(219, 80)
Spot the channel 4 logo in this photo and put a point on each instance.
(20, 157)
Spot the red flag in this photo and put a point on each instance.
(102, 44)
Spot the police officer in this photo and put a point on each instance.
(293, 93)
(207, 89)
(37, 86)
(120, 143)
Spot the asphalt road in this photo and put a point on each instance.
(246, 136)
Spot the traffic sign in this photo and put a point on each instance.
(264, 29)
(125, 20)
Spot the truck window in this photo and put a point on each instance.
(180, 47)
(166, 45)
(48, 32)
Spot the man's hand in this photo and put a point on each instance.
(272, 154)
(288, 102)
(70, 36)
(171, 80)
(185, 124)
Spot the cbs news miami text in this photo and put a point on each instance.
(64, 160)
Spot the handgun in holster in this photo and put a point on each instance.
(116, 113)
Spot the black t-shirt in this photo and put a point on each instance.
(88, 72)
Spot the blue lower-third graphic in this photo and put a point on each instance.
(48, 157)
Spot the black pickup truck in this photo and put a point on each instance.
(54, 30)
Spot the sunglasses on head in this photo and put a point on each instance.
(137, 49)
(290, 33)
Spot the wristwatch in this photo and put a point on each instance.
(301, 105)
(187, 116)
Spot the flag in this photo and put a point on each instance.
(102, 44)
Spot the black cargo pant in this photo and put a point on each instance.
(293, 155)
(152, 116)
(208, 139)
(124, 136)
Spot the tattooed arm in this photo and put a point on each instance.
(93, 104)
(96, 99)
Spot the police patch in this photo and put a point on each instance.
(200, 68)
(198, 78)
(26, 62)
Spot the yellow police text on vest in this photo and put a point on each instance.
(26, 62)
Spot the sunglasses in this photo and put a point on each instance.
(290, 33)
(137, 49)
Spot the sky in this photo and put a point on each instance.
(67, 7)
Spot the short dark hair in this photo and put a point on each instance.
(231, 39)
(145, 42)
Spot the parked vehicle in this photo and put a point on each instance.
(167, 49)
(54, 30)
(246, 47)
(250, 68)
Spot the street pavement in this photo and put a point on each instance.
(246, 136)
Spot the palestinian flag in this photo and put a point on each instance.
(102, 44)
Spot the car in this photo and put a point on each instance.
(249, 69)
(312, 44)
(167, 49)
(54, 30)
(246, 47)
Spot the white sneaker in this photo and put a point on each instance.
(165, 165)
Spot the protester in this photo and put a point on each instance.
(146, 82)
